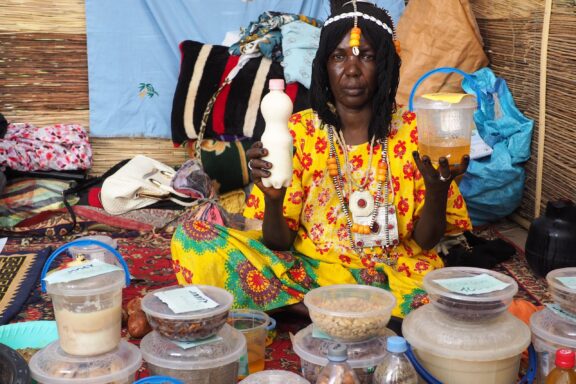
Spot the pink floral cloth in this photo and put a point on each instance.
(60, 147)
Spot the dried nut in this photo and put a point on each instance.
(189, 330)
(134, 305)
(138, 325)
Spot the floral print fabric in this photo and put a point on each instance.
(322, 254)
(59, 147)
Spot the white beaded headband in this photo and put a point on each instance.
(349, 15)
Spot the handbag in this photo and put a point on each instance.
(141, 182)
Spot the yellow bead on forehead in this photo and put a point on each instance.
(355, 33)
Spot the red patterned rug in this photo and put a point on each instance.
(148, 257)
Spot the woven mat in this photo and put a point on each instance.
(148, 258)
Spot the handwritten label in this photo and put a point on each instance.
(562, 313)
(243, 369)
(569, 281)
(476, 285)
(186, 299)
(79, 272)
(197, 343)
(319, 334)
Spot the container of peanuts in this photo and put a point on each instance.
(51, 365)
(274, 376)
(348, 312)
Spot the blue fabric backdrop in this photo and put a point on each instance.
(133, 56)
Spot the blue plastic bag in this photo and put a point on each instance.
(492, 187)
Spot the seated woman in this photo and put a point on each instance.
(363, 208)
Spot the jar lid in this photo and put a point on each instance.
(275, 376)
(470, 293)
(553, 328)
(94, 285)
(445, 101)
(563, 280)
(93, 247)
(228, 346)
(153, 306)
(51, 365)
(363, 354)
(432, 330)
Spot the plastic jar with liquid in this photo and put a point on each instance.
(276, 108)
(87, 301)
(466, 335)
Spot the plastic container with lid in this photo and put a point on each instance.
(468, 338)
(550, 332)
(470, 307)
(87, 306)
(562, 285)
(363, 356)
(210, 362)
(350, 312)
(95, 252)
(188, 326)
(274, 377)
(52, 365)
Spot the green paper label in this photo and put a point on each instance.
(186, 299)
(243, 370)
(89, 269)
(319, 334)
(192, 344)
(569, 281)
(476, 285)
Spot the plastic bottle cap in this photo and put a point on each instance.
(396, 344)
(276, 84)
(565, 358)
(337, 352)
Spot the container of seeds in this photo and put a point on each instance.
(562, 283)
(187, 313)
(349, 312)
(210, 361)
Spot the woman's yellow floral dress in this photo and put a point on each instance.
(260, 278)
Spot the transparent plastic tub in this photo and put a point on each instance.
(562, 285)
(469, 307)
(52, 365)
(95, 252)
(348, 312)
(550, 332)
(274, 377)
(213, 362)
(363, 356)
(188, 326)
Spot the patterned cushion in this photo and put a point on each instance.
(236, 111)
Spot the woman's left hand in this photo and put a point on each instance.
(441, 178)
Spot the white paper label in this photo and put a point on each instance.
(192, 344)
(569, 281)
(562, 313)
(476, 285)
(186, 299)
(79, 272)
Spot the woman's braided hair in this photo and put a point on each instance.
(387, 64)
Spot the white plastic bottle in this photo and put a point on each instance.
(276, 108)
(396, 368)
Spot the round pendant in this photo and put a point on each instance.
(361, 203)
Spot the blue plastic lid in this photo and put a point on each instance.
(158, 380)
(338, 353)
(396, 344)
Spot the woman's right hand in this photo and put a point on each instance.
(259, 169)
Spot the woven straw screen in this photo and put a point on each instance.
(43, 80)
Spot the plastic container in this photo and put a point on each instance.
(396, 367)
(363, 356)
(253, 324)
(276, 108)
(88, 310)
(465, 306)
(158, 380)
(52, 365)
(551, 242)
(214, 362)
(274, 377)
(349, 312)
(472, 352)
(550, 332)
(562, 286)
(13, 367)
(95, 252)
(188, 326)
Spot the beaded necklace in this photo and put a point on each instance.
(384, 181)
